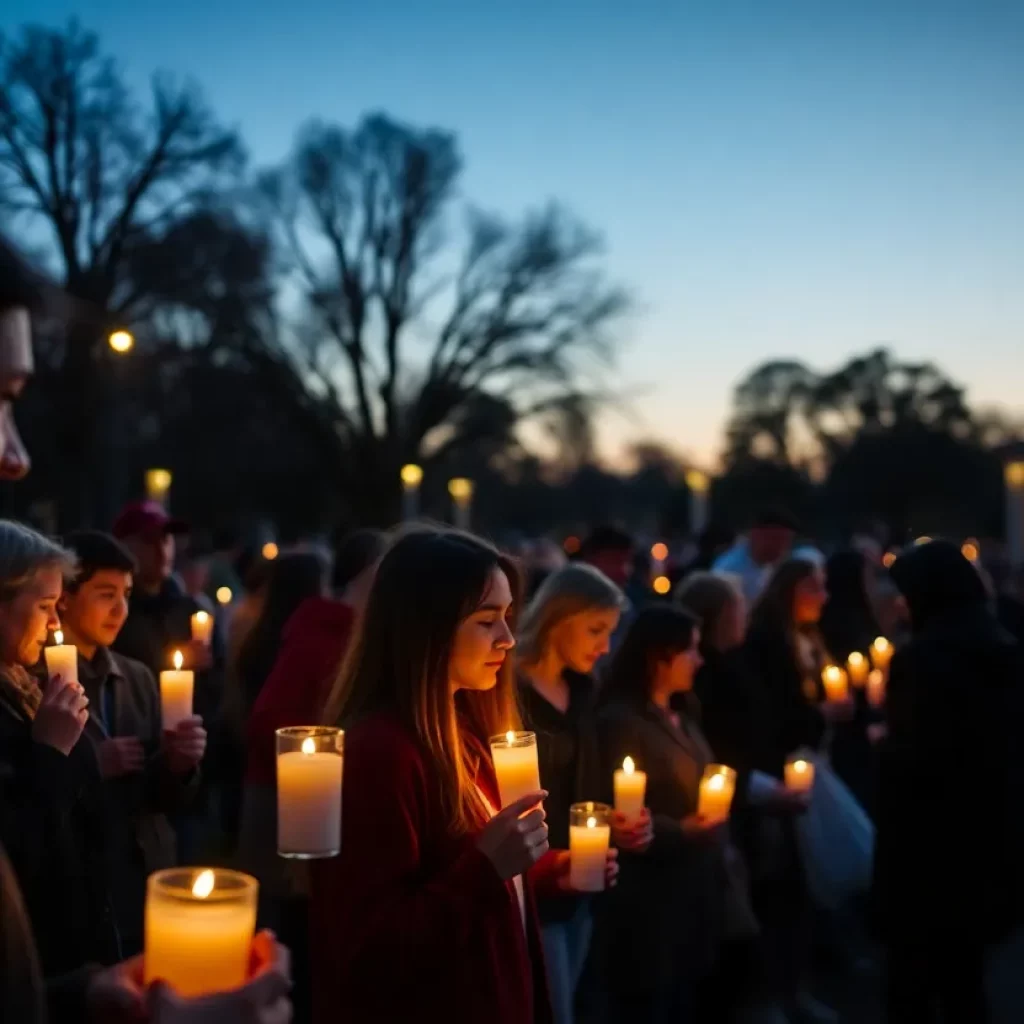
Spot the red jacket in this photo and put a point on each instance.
(410, 923)
(312, 646)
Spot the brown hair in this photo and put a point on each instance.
(707, 595)
(775, 606)
(427, 583)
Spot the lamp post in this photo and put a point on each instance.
(461, 490)
(412, 477)
(1013, 476)
(699, 485)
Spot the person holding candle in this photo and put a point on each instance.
(52, 813)
(660, 931)
(566, 629)
(428, 912)
(148, 771)
(945, 896)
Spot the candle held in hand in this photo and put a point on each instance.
(717, 788)
(857, 667)
(176, 688)
(309, 774)
(202, 627)
(881, 653)
(61, 659)
(799, 775)
(589, 836)
(515, 764)
(834, 680)
(876, 688)
(630, 789)
(199, 929)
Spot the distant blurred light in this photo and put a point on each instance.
(888, 558)
(659, 551)
(224, 595)
(697, 481)
(412, 475)
(571, 545)
(662, 584)
(970, 551)
(121, 341)
(270, 551)
(923, 540)
(460, 488)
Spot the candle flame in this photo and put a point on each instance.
(716, 782)
(58, 637)
(510, 737)
(178, 662)
(591, 822)
(799, 767)
(881, 644)
(203, 617)
(855, 659)
(309, 745)
(628, 767)
(203, 885)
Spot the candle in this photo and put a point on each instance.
(799, 775)
(199, 929)
(309, 764)
(202, 627)
(589, 835)
(881, 653)
(61, 659)
(175, 694)
(876, 688)
(857, 667)
(630, 787)
(715, 794)
(835, 682)
(515, 764)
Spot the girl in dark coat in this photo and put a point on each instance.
(949, 845)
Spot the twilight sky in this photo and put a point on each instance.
(773, 177)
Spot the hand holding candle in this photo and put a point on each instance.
(515, 764)
(837, 689)
(589, 837)
(202, 628)
(630, 789)
(61, 659)
(717, 788)
(309, 774)
(176, 694)
(881, 653)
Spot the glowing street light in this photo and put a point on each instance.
(412, 477)
(662, 584)
(699, 484)
(121, 341)
(270, 551)
(158, 484)
(461, 490)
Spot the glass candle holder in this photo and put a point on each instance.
(799, 774)
(309, 772)
(202, 627)
(589, 835)
(630, 786)
(515, 764)
(199, 928)
(717, 788)
(857, 668)
(835, 682)
(881, 653)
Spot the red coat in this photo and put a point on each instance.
(410, 923)
(312, 646)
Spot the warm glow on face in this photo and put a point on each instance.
(659, 551)
(270, 551)
(58, 637)
(591, 822)
(628, 767)
(510, 737)
(662, 584)
(121, 342)
(412, 475)
(178, 660)
(309, 745)
(203, 885)
(224, 595)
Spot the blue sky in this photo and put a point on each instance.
(773, 177)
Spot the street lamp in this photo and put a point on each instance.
(121, 341)
(412, 477)
(461, 490)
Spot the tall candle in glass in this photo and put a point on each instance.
(857, 668)
(799, 774)
(717, 788)
(61, 659)
(589, 836)
(202, 627)
(836, 685)
(630, 789)
(881, 653)
(515, 764)
(176, 686)
(309, 772)
(199, 928)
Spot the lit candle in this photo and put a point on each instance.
(876, 688)
(199, 929)
(61, 659)
(630, 787)
(175, 694)
(835, 682)
(714, 798)
(589, 835)
(202, 627)
(881, 653)
(515, 764)
(857, 667)
(799, 775)
(309, 764)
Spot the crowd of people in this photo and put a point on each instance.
(443, 904)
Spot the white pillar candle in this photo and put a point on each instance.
(199, 929)
(857, 667)
(834, 680)
(202, 627)
(589, 836)
(876, 688)
(717, 787)
(881, 653)
(630, 789)
(515, 764)
(176, 688)
(799, 775)
(309, 772)
(61, 659)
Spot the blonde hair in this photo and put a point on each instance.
(24, 553)
(575, 588)
(706, 595)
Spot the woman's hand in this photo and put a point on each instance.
(185, 745)
(633, 836)
(61, 715)
(563, 870)
(517, 837)
(702, 827)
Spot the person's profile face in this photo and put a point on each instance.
(15, 369)
(483, 639)
(581, 640)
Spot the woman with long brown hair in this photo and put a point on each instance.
(427, 912)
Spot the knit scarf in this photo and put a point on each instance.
(20, 688)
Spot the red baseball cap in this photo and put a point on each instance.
(146, 519)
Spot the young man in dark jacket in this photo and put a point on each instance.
(147, 772)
